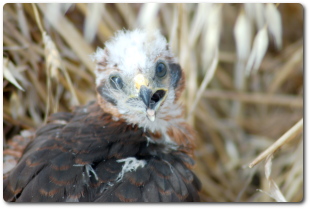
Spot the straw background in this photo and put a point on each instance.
(244, 89)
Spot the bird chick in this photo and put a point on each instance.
(131, 145)
(139, 80)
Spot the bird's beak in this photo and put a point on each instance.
(151, 100)
(145, 94)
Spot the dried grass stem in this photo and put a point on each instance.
(290, 134)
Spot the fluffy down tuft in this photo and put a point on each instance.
(133, 50)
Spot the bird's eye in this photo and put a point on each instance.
(161, 70)
(116, 82)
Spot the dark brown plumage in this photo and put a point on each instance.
(74, 158)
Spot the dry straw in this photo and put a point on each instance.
(47, 68)
(295, 130)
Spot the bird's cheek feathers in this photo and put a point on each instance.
(104, 93)
(177, 79)
(175, 74)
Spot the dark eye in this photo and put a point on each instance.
(161, 70)
(116, 82)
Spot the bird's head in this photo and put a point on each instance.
(138, 79)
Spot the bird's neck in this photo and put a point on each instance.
(169, 126)
(179, 135)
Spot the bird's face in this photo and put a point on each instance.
(137, 78)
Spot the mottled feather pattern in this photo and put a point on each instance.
(76, 160)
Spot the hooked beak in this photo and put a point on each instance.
(145, 94)
(151, 100)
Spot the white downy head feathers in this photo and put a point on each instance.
(128, 54)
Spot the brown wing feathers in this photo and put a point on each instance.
(74, 158)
